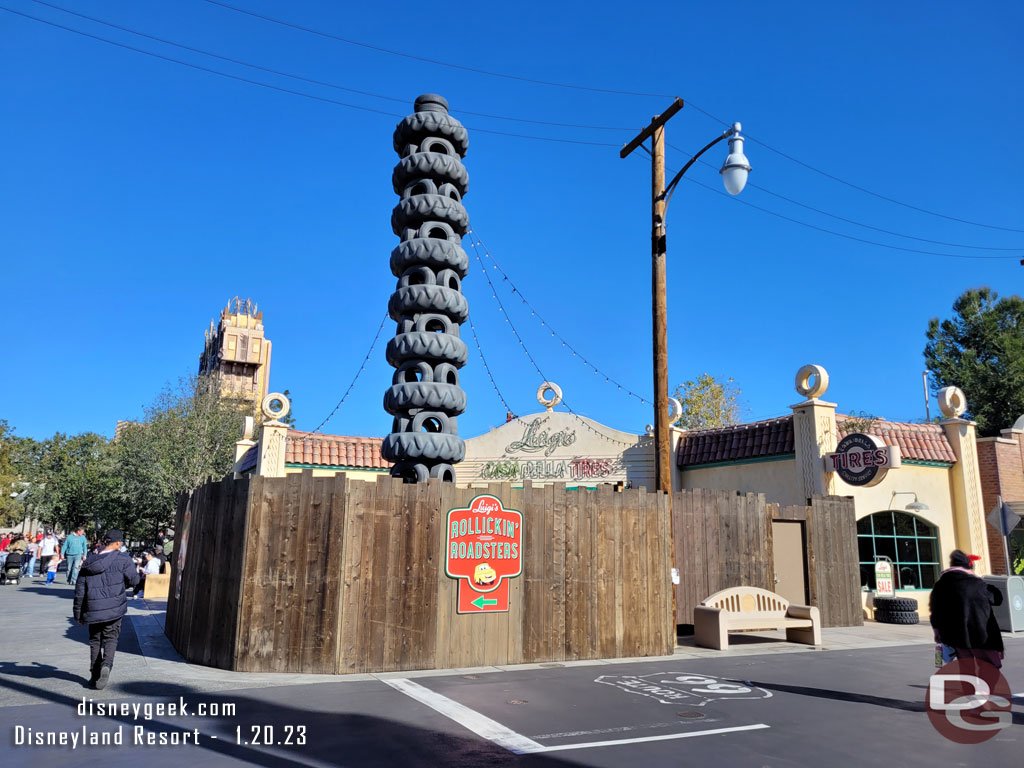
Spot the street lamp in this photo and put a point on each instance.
(734, 175)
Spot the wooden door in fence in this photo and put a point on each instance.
(724, 539)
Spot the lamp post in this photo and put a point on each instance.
(734, 174)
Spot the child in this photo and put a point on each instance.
(51, 571)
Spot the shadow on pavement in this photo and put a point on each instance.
(39, 672)
(332, 738)
(858, 698)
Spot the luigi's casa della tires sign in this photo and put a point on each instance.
(862, 460)
(484, 549)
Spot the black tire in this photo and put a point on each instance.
(895, 604)
(897, 617)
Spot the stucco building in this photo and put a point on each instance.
(917, 488)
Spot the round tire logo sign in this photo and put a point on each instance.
(862, 460)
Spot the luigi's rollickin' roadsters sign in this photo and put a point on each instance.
(862, 460)
(484, 549)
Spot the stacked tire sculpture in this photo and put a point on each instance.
(896, 610)
(430, 264)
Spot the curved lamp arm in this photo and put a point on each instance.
(671, 186)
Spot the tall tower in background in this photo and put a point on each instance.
(238, 350)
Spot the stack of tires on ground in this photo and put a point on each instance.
(896, 610)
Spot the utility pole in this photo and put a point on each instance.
(659, 290)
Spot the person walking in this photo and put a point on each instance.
(961, 613)
(74, 550)
(48, 549)
(33, 551)
(101, 601)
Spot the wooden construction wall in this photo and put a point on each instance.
(832, 563)
(724, 539)
(336, 575)
(203, 610)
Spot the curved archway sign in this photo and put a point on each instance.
(862, 460)
(483, 550)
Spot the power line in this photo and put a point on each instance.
(477, 129)
(881, 197)
(857, 223)
(313, 81)
(840, 234)
(434, 61)
(286, 90)
(355, 378)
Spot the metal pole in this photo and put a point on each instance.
(927, 404)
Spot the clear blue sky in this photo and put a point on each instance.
(139, 195)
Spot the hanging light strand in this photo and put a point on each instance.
(522, 344)
(534, 313)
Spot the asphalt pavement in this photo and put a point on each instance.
(764, 703)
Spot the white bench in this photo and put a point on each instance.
(751, 608)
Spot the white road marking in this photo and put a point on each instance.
(667, 737)
(468, 718)
(517, 743)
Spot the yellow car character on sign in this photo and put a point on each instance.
(483, 574)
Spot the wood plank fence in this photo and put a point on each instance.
(724, 539)
(336, 575)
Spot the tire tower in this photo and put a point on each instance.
(426, 352)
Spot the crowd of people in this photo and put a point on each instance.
(48, 551)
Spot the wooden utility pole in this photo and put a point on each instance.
(659, 291)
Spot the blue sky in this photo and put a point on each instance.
(138, 196)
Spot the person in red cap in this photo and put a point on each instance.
(961, 612)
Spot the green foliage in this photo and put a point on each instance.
(290, 418)
(132, 483)
(11, 510)
(75, 482)
(858, 421)
(981, 350)
(188, 435)
(708, 403)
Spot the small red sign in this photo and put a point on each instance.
(483, 551)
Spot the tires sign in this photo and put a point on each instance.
(883, 579)
(862, 460)
(483, 550)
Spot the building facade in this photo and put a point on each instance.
(238, 350)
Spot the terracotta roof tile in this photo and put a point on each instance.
(740, 441)
(773, 437)
(923, 442)
(334, 450)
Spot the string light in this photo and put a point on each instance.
(534, 313)
(533, 362)
(362, 368)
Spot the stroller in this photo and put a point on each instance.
(11, 573)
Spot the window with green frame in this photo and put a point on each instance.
(909, 541)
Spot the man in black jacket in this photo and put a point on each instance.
(101, 601)
(961, 611)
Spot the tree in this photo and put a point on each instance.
(290, 418)
(76, 483)
(981, 350)
(708, 403)
(11, 511)
(188, 435)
